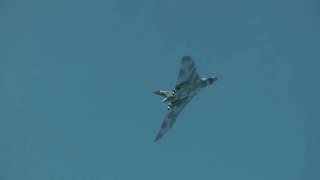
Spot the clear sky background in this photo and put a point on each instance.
(76, 83)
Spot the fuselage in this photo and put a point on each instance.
(189, 90)
(187, 86)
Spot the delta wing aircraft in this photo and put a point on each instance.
(188, 85)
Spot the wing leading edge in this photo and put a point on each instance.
(187, 73)
(167, 123)
(170, 118)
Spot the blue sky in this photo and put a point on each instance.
(76, 83)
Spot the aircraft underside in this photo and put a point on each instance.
(188, 85)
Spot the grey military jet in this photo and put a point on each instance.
(188, 85)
